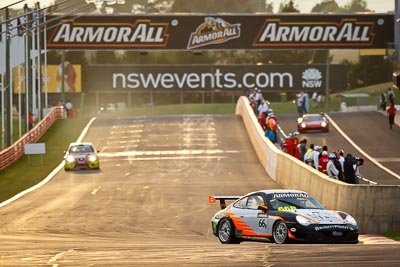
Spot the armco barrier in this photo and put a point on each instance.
(13, 153)
(376, 208)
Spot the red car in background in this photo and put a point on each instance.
(312, 123)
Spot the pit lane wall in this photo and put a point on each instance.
(376, 208)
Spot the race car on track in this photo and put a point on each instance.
(81, 156)
(312, 122)
(280, 216)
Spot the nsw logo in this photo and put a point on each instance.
(312, 78)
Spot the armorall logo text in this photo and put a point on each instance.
(348, 32)
(213, 31)
(141, 33)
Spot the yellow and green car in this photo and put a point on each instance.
(81, 156)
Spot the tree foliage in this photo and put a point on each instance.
(288, 7)
(327, 6)
(357, 6)
(369, 70)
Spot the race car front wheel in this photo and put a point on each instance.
(280, 233)
(226, 232)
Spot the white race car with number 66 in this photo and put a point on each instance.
(281, 216)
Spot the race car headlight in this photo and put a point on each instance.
(92, 158)
(70, 159)
(324, 124)
(349, 219)
(303, 220)
(303, 125)
(299, 120)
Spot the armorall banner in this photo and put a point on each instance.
(221, 32)
(273, 78)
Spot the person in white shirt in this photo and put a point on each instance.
(315, 156)
(319, 101)
(264, 107)
(331, 169)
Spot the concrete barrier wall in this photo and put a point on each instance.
(376, 208)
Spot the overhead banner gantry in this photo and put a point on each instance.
(220, 32)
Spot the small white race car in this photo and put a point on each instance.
(81, 156)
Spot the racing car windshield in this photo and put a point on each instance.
(293, 203)
(313, 118)
(81, 149)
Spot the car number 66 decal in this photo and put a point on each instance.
(262, 224)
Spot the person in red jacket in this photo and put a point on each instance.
(262, 120)
(323, 162)
(391, 112)
(31, 120)
(288, 145)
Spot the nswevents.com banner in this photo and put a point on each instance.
(215, 77)
(221, 32)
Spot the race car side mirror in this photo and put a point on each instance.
(263, 208)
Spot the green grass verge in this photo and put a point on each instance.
(29, 170)
(393, 235)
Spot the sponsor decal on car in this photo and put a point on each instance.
(285, 195)
(330, 227)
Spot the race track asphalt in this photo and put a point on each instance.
(368, 130)
(147, 206)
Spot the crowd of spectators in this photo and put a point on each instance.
(333, 163)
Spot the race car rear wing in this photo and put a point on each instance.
(213, 199)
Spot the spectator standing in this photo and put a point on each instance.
(315, 156)
(70, 108)
(340, 157)
(247, 92)
(257, 100)
(288, 145)
(314, 97)
(319, 100)
(391, 113)
(383, 101)
(270, 135)
(263, 107)
(359, 162)
(307, 156)
(252, 96)
(348, 170)
(262, 120)
(300, 103)
(31, 120)
(272, 123)
(295, 138)
(302, 149)
(339, 161)
(331, 167)
(324, 148)
(323, 162)
(391, 96)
